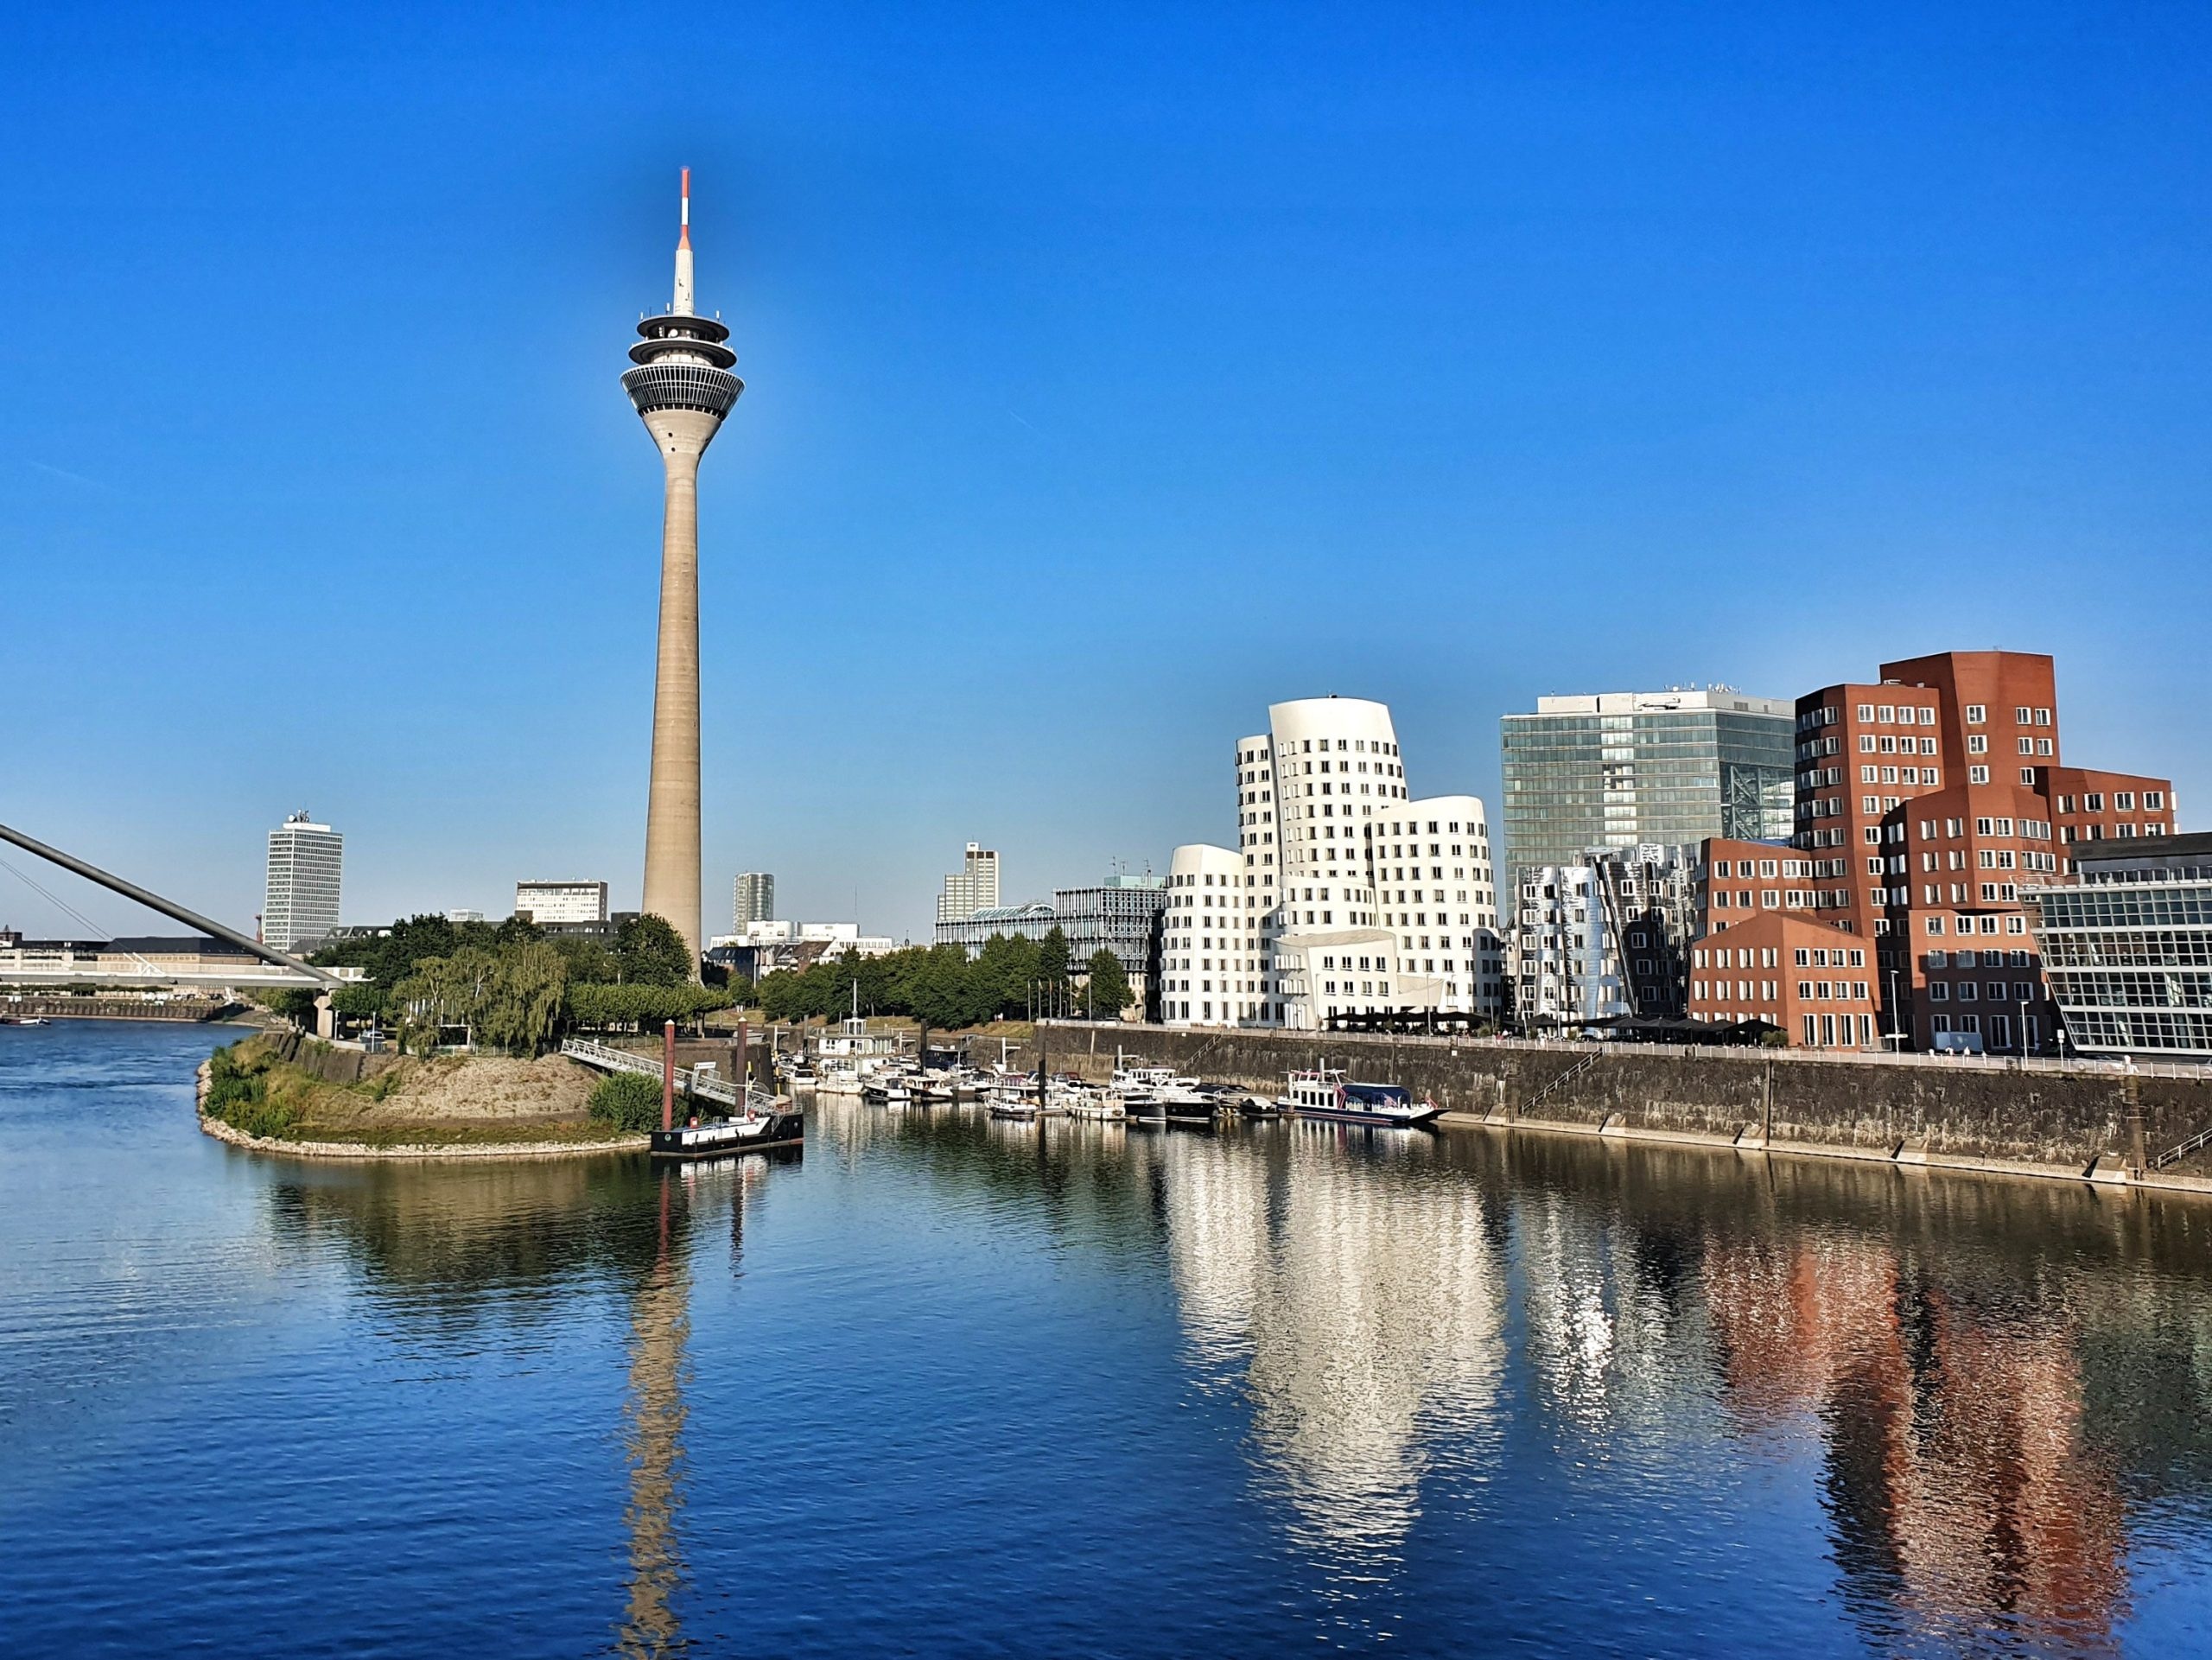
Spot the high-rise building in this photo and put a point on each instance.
(1632, 769)
(306, 865)
(752, 899)
(1927, 858)
(683, 388)
(973, 887)
(1344, 895)
(545, 902)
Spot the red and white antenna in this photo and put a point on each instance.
(681, 306)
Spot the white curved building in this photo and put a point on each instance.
(1313, 936)
(1209, 940)
(1434, 881)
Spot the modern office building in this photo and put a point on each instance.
(2127, 948)
(681, 388)
(1121, 914)
(1926, 858)
(305, 868)
(752, 899)
(1331, 903)
(1629, 769)
(1604, 938)
(973, 887)
(546, 902)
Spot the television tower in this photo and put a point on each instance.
(682, 387)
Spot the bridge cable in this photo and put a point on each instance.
(60, 904)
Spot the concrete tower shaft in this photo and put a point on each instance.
(681, 388)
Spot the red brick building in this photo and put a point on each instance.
(1811, 979)
(1924, 801)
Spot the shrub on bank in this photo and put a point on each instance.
(238, 1092)
(628, 1101)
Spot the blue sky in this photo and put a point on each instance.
(1112, 372)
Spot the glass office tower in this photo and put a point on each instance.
(1630, 769)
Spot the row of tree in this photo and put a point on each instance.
(1013, 977)
(513, 987)
(644, 951)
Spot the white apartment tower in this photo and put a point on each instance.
(752, 899)
(1335, 904)
(973, 887)
(306, 863)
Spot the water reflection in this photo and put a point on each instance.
(1961, 1495)
(1990, 1377)
(659, 1322)
(1366, 1306)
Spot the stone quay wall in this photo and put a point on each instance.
(2075, 1121)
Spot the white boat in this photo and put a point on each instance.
(1157, 1092)
(837, 1077)
(1097, 1105)
(1325, 1094)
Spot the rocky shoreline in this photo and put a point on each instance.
(414, 1153)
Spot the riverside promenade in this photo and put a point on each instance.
(2073, 1119)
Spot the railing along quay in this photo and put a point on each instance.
(1724, 1054)
(709, 1086)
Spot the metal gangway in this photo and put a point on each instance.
(706, 1085)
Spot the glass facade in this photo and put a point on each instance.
(1625, 770)
(2129, 955)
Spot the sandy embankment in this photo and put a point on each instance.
(452, 1107)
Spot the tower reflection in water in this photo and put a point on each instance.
(659, 1323)
(654, 1413)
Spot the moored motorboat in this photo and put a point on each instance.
(755, 1132)
(1324, 1094)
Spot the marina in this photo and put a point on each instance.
(1384, 1387)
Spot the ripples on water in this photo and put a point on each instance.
(954, 1386)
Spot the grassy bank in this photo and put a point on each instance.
(448, 1102)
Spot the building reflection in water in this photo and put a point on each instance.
(1365, 1307)
(1963, 1499)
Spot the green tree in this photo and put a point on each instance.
(628, 1101)
(1053, 956)
(648, 951)
(508, 999)
(1108, 994)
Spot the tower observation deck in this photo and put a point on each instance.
(681, 387)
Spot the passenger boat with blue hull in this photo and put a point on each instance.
(720, 1138)
(1327, 1096)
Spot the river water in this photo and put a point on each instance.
(949, 1386)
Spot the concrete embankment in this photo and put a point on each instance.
(188, 1011)
(2077, 1123)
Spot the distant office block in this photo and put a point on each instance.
(548, 902)
(973, 887)
(752, 899)
(306, 865)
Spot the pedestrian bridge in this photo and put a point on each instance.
(704, 1084)
(269, 967)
